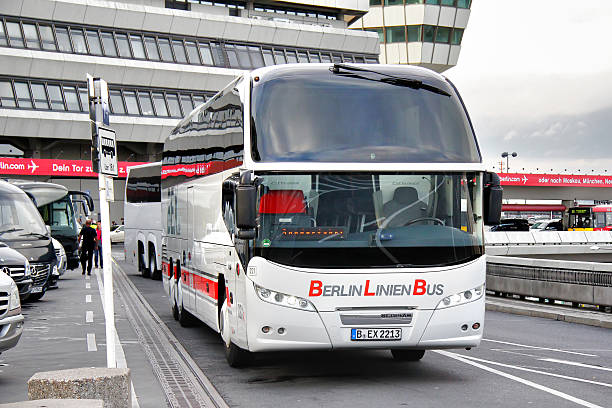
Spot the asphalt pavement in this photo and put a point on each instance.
(523, 361)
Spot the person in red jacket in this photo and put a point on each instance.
(98, 249)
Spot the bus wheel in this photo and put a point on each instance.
(153, 272)
(235, 356)
(175, 312)
(185, 318)
(407, 355)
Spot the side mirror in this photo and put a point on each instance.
(492, 197)
(246, 218)
(48, 229)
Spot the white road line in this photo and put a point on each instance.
(119, 354)
(540, 348)
(91, 342)
(519, 379)
(574, 363)
(88, 285)
(87, 298)
(89, 316)
(531, 370)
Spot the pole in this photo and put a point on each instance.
(109, 307)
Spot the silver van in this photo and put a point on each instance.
(11, 319)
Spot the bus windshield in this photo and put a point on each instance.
(19, 218)
(60, 216)
(356, 220)
(315, 115)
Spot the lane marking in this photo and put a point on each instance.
(574, 363)
(91, 342)
(531, 370)
(89, 316)
(88, 285)
(540, 348)
(519, 379)
(87, 298)
(119, 354)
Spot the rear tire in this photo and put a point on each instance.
(144, 271)
(175, 312)
(185, 318)
(153, 272)
(407, 355)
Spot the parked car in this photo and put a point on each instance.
(62, 259)
(547, 225)
(15, 265)
(22, 228)
(512, 224)
(11, 319)
(118, 235)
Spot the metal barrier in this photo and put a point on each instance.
(578, 282)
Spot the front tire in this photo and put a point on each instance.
(235, 356)
(185, 318)
(407, 355)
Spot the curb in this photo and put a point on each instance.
(604, 321)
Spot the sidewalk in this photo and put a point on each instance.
(549, 311)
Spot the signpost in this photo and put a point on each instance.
(104, 162)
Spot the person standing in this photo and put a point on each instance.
(88, 244)
(98, 249)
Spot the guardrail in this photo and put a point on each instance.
(546, 242)
(571, 281)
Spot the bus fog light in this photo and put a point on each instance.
(462, 297)
(281, 330)
(266, 329)
(282, 299)
(464, 327)
(476, 326)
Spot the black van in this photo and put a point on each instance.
(59, 209)
(22, 228)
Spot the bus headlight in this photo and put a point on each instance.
(28, 269)
(282, 299)
(462, 297)
(14, 302)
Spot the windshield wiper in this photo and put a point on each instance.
(11, 230)
(388, 78)
(35, 234)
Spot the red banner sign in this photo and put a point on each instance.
(554, 180)
(55, 168)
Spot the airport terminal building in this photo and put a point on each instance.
(161, 58)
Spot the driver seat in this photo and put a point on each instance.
(404, 207)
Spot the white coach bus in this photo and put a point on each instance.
(319, 206)
(142, 217)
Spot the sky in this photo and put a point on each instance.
(536, 77)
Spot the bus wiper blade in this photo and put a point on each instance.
(11, 230)
(389, 79)
(35, 234)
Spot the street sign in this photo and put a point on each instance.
(107, 151)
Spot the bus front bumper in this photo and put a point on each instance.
(272, 328)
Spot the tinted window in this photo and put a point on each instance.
(23, 94)
(109, 44)
(6, 95)
(315, 115)
(40, 97)
(31, 36)
(144, 185)
(46, 35)
(14, 34)
(94, 42)
(152, 48)
(55, 96)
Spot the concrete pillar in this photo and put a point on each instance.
(567, 204)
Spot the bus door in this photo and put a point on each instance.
(189, 292)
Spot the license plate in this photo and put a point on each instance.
(36, 289)
(371, 334)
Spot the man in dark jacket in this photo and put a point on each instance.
(88, 235)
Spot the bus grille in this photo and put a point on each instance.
(4, 300)
(40, 272)
(15, 272)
